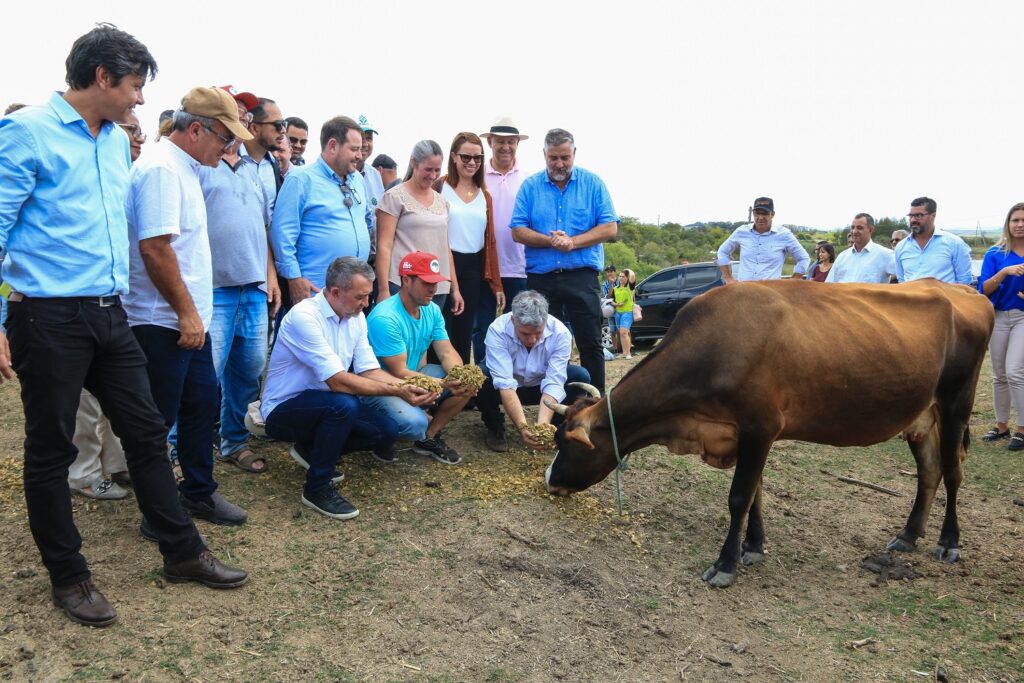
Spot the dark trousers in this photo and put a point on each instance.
(574, 297)
(184, 386)
(325, 424)
(486, 312)
(58, 347)
(469, 269)
(489, 400)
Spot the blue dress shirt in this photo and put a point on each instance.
(945, 257)
(1004, 298)
(312, 226)
(582, 205)
(62, 192)
(763, 254)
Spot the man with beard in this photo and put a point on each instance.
(563, 215)
(929, 251)
(266, 127)
(298, 137)
(63, 225)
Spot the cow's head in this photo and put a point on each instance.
(578, 462)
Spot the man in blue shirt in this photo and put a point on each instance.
(563, 215)
(400, 331)
(64, 231)
(322, 211)
(929, 251)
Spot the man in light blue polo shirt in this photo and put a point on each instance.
(563, 215)
(64, 235)
(929, 251)
(322, 211)
(763, 248)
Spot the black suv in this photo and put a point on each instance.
(662, 295)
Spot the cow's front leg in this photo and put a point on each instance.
(742, 493)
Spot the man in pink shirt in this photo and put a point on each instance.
(502, 178)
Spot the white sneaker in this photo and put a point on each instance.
(101, 489)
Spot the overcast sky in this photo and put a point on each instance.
(687, 110)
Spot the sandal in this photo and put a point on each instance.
(244, 460)
(176, 468)
(994, 435)
(1016, 442)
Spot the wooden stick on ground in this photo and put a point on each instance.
(868, 484)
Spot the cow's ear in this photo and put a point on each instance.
(580, 434)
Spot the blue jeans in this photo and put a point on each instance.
(184, 387)
(489, 400)
(325, 424)
(485, 313)
(411, 420)
(238, 334)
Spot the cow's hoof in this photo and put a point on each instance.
(900, 545)
(751, 557)
(718, 579)
(950, 555)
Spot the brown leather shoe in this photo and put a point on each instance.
(84, 604)
(207, 570)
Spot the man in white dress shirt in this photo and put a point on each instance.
(763, 248)
(864, 261)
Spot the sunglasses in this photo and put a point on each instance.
(471, 158)
(280, 125)
(228, 142)
(134, 132)
(349, 196)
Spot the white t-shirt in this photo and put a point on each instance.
(466, 222)
(165, 198)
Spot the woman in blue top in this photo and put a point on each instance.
(1001, 280)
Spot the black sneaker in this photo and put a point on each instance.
(1016, 442)
(496, 440)
(299, 455)
(385, 455)
(437, 449)
(328, 502)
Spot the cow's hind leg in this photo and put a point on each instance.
(954, 446)
(926, 454)
(753, 542)
(745, 483)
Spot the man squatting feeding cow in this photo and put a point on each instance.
(731, 372)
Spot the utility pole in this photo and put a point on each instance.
(750, 214)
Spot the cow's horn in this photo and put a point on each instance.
(557, 407)
(589, 388)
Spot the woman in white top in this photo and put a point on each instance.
(471, 236)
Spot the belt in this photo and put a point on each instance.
(101, 301)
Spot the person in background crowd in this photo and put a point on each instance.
(266, 127)
(623, 301)
(100, 471)
(897, 237)
(322, 212)
(502, 176)
(283, 155)
(763, 248)
(170, 300)
(471, 236)
(321, 371)
(374, 183)
(298, 137)
(826, 254)
(414, 217)
(1002, 281)
(13, 107)
(527, 361)
(64, 225)
(563, 215)
(864, 261)
(388, 169)
(931, 252)
(401, 330)
(607, 292)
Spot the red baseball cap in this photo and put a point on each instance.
(423, 265)
(248, 100)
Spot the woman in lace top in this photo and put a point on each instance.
(413, 217)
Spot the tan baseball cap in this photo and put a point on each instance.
(215, 103)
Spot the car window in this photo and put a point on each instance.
(698, 277)
(664, 281)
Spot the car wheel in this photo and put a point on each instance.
(606, 337)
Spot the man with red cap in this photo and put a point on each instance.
(401, 330)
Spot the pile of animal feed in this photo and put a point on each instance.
(467, 375)
(424, 382)
(545, 433)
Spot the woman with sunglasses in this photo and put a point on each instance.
(1002, 281)
(412, 217)
(471, 236)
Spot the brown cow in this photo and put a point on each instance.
(732, 375)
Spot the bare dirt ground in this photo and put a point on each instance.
(473, 573)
